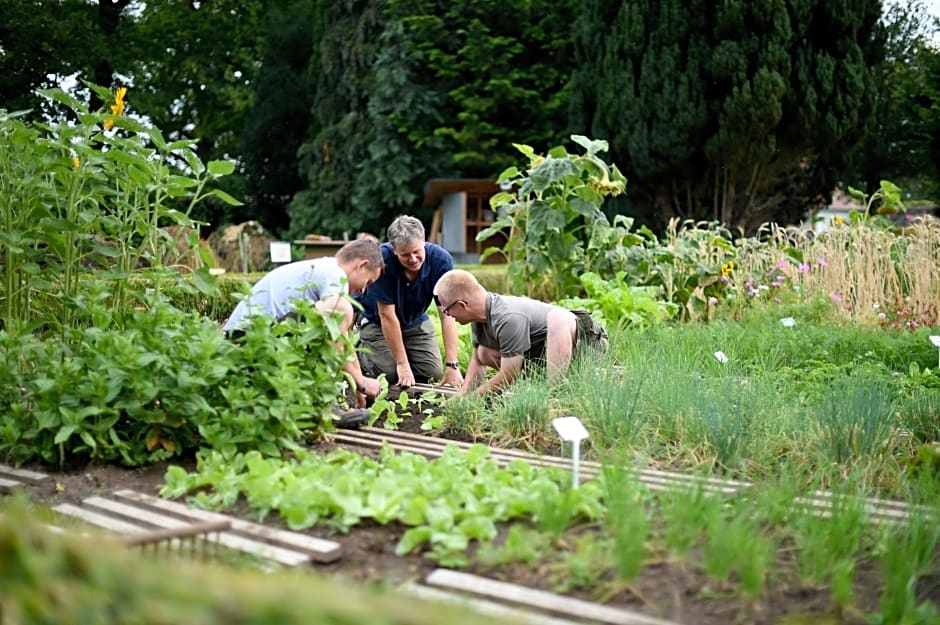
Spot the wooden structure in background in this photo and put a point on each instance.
(462, 210)
(318, 248)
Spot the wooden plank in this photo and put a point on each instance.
(231, 540)
(25, 474)
(132, 512)
(724, 485)
(319, 549)
(560, 604)
(482, 606)
(430, 450)
(98, 519)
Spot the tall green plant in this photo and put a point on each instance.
(549, 218)
(97, 194)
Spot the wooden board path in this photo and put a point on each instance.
(546, 603)
(129, 512)
(11, 479)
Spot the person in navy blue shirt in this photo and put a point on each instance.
(396, 332)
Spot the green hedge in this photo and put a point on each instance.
(494, 278)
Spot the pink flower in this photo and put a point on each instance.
(823, 263)
(882, 316)
(837, 298)
(782, 264)
(803, 268)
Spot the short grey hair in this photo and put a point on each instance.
(405, 230)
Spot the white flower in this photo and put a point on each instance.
(788, 322)
(935, 340)
(720, 357)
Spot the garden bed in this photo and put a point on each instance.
(666, 588)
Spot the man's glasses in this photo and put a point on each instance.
(443, 308)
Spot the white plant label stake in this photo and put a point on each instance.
(571, 429)
(280, 252)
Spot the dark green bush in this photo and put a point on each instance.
(158, 382)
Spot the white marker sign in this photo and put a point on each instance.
(280, 252)
(571, 429)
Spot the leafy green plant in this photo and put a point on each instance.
(446, 502)
(887, 196)
(521, 545)
(549, 219)
(618, 304)
(582, 567)
(154, 383)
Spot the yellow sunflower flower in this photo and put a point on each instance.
(118, 107)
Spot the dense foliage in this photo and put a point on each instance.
(738, 111)
(338, 113)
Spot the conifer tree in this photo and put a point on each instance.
(738, 111)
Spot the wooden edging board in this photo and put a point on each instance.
(538, 599)
(11, 478)
(482, 606)
(319, 549)
(130, 512)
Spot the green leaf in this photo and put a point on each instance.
(592, 147)
(221, 168)
(192, 159)
(412, 539)
(60, 96)
(64, 433)
(205, 281)
(225, 197)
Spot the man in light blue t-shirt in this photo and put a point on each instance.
(325, 282)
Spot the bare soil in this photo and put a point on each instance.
(665, 589)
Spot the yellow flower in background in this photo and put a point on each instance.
(727, 268)
(118, 107)
(75, 162)
(838, 220)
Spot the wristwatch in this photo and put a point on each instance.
(453, 365)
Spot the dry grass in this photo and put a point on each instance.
(866, 269)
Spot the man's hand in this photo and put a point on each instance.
(406, 378)
(370, 387)
(452, 377)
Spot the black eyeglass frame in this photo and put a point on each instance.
(444, 309)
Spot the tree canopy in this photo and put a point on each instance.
(338, 113)
(737, 111)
